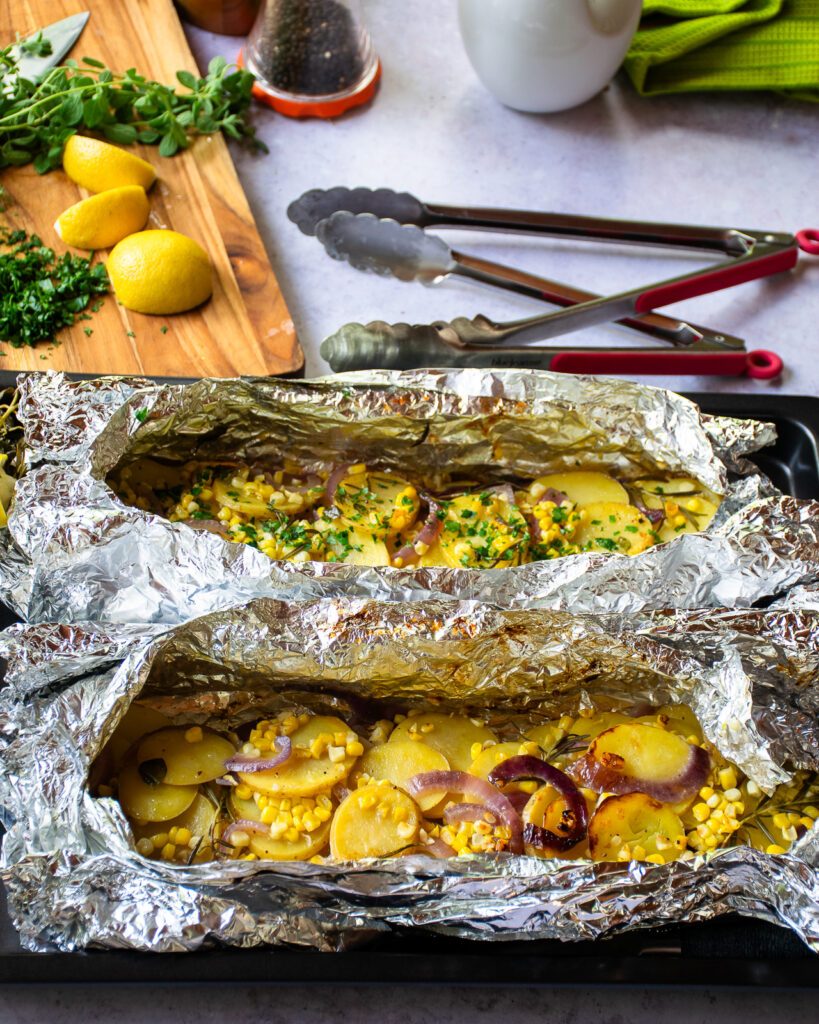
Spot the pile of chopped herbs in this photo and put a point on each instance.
(40, 292)
(36, 118)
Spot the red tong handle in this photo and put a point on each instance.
(760, 364)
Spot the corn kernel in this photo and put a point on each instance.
(733, 794)
(168, 851)
(291, 835)
(812, 812)
(713, 801)
(367, 800)
(753, 789)
(354, 749)
(806, 821)
(277, 829)
(774, 849)
(701, 812)
(475, 750)
(789, 833)
(655, 858)
(728, 778)
(145, 847)
(336, 754)
(781, 820)
(159, 840)
(244, 792)
(183, 836)
(638, 852)
(268, 815)
(194, 734)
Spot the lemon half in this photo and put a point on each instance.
(103, 220)
(99, 166)
(160, 272)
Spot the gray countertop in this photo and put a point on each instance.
(433, 130)
(747, 161)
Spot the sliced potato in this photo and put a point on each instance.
(611, 526)
(309, 844)
(308, 775)
(398, 762)
(585, 488)
(198, 819)
(688, 505)
(491, 757)
(591, 727)
(548, 735)
(451, 735)
(378, 504)
(482, 531)
(677, 718)
(152, 801)
(241, 498)
(366, 549)
(191, 754)
(137, 721)
(241, 808)
(634, 821)
(375, 821)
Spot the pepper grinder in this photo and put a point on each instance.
(312, 58)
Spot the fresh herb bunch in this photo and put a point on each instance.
(40, 293)
(36, 118)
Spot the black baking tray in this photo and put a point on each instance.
(727, 951)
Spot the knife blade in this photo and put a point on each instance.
(61, 35)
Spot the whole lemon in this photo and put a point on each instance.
(160, 272)
(99, 166)
(102, 220)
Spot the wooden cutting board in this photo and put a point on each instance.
(245, 327)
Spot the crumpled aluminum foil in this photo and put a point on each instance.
(74, 552)
(75, 881)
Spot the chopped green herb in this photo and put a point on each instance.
(141, 415)
(87, 331)
(163, 329)
(632, 529)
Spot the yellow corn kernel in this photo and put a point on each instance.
(336, 754)
(806, 821)
(194, 734)
(655, 858)
(159, 840)
(638, 852)
(706, 792)
(774, 848)
(323, 814)
(752, 788)
(732, 794)
(145, 847)
(291, 835)
(311, 821)
(781, 820)
(277, 829)
(728, 778)
(268, 815)
(713, 801)
(244, 792)
(711, 842)
(624, 854)
(812, 812)
(701, 812)
(789, 833)
(168, 851)
(367, 800)
(354, 749)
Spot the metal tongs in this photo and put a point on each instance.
(380, 240)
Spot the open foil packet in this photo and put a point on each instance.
(75, 552)
(75, 880)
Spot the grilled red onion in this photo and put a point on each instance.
(479, 790)
(553, 494)
(466, 812)
(518, 799)
(333, 480)
(438, 848)
(535, 533)
(576, 815)
(209, 525)
(428, 534)
(504, 492)
(244, 825)
(251, 763)
(226, 780)
(608, 777)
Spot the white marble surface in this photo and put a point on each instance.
(433, 130)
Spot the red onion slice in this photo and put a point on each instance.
(553, 494)
(576, 816)
(466, 812)
(479, 790)
(249, 764)
(428, 534)
(438, 848)
(244, 825)
(609, 777)
(333, 480)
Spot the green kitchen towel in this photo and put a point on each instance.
(714, 45)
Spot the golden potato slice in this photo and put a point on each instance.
(306, 774)
(241, 808)
(636, 825)
(152, 801)
(585, 488)
(192, 754)
(611, 526)
(137, 721)
(451, 735)
(398, 762)
(308, 845)
(591, 727)
(365, 548)
(548, 735)
(482, 531)
(241, 498)
(677, 718)
(689, 507)
(491, 757)
(378, 820)
(378, 504)
(198, 819)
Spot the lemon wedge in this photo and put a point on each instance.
(160, 272)
(105, 219)
(99, 166)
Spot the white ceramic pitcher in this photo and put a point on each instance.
(547, 55)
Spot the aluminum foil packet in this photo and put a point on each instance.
(75, 552)
(75, 880)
